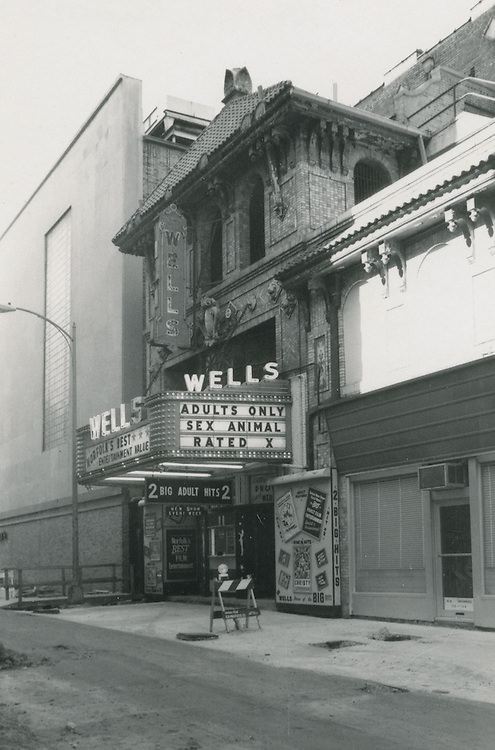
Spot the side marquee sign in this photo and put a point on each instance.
(167, 490)
(241, 422)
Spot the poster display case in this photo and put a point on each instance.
(307, 545)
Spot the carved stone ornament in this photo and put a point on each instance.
(221, 190)
(390, 250)
(231, 312)
(211, 320)
(479, 213)
(372, 262)
(457, 223)
(274, 290)
(318, 287)
(288, 303)
(280, 209)
(279, 205)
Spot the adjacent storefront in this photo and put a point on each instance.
(417, 467)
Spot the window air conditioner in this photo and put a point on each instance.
(442, 476)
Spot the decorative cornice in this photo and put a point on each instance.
(271, 123)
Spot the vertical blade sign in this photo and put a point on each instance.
(167, 315)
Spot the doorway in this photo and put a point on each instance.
(256, 546)
(136, 550)
(454, 569)
(243, 538)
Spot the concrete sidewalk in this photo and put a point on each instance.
(454, 661)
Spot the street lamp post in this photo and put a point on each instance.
(75, 594)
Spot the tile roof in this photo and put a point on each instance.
(227, 125)
(215, 135)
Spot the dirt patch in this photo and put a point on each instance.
(196, 636)
(375, 688)
(41, 608)
(333, 645)
(15, 734)
(13, 660)
(384, 634)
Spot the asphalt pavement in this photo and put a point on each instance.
(454, 661)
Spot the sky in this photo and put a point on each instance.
(58, 59)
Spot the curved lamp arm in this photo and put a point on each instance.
(13, 308)
(76, 591)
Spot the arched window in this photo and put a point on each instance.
(257, 222)
(216, 249)
(369, 178)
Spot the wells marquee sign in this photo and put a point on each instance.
(234, 424)
(167, 303)
(240, 422)
(114, 438)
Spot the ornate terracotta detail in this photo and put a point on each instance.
(274, 290)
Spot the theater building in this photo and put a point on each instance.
(353, 247)
(273, 173)
(312, 400)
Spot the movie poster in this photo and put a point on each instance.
(307, 540)
(287, 516)
(153, 552)
(181, 554)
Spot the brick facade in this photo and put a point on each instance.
(38, 542)
(158, 159)
(467, 52)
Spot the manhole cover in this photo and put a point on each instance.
(196, 636)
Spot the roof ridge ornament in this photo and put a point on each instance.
(237, 82)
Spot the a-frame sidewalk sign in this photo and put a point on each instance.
(233, 588)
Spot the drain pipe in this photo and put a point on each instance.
(422, 150)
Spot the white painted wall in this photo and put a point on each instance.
(443, 317)
(99, 178)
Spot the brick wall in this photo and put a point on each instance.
(466, 51)
(45, 539)
(158, 160)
